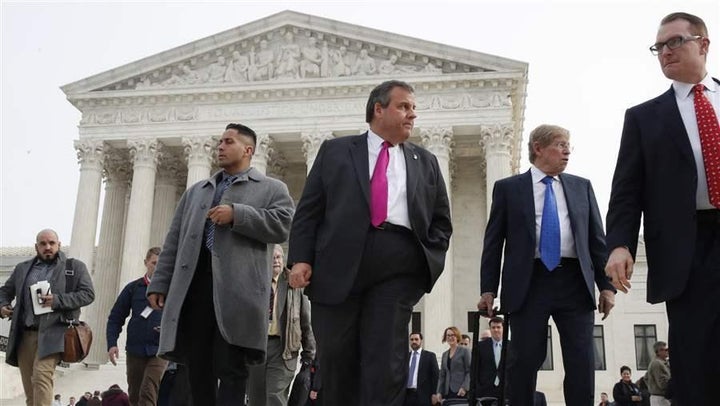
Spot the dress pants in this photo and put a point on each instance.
(563, 295)
(269, 383)
(144, 375)
(362, 342)
(209, 357)
(694, 322)
(36, 373)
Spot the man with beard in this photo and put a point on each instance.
(36, 342)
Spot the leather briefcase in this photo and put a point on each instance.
(78, 338)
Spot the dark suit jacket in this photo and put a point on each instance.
(333, 216)
(427, 376)
(486, 370)
(656, 176)
(512, 225)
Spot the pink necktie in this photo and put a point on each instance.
(379, 187)
(709, 129)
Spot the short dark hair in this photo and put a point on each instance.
(496, 319)
(658, 346)
(418, 334)
(696, 22)
(381, 94)
(625, 368)
(152, 251)
(244, 130)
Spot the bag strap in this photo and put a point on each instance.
(70, 279)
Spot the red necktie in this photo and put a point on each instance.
(709, 129)
(379, 187)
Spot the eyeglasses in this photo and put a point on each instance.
(448, 335)
(565, 146)
(672, 43)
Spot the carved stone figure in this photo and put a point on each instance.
(390, 66)
(216, 71)
(261, 65)
(311, 59)
(365, 64)
(287, 64)
(339, 67)
(325, 64)
(237, 70)
(431, 68)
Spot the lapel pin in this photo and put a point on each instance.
(414, 156)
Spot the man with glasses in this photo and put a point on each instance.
(658, 375)
(548, 226)
(668, 173)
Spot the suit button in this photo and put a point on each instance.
(183, 266)
(203, 206)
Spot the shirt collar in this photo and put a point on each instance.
(374, 140)
(684, 90)
(538, 175)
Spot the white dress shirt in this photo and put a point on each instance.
(397, 212)
(685, 97)
(567, 243)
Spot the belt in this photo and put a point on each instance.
(564, 261)
(708, 216)
(394, 228)
(411, 390)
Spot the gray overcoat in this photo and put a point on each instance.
(241, 259)
(66, 306)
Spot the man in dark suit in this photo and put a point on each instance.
(488, 360)
(423, 374)
(554, 249)
(668, 172)
(368, 238)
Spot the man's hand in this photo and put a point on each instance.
(156, 300)
(606, 302)
(113, 354)
(300, 275)
(486, 302)
(47, 300)
(620, 268)
(6, 311)
(462, 392)
(221, 214)
(434, 399)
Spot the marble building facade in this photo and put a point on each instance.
(149, 130)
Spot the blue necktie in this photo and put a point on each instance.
(209, 225)
(550, 228)
(413, 365)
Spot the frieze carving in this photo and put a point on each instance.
(283, 55)
(438, 140)
(264, 146)
(144, 152)
(90, 153)
(171, 169)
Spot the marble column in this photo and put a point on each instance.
(438, 304)
(91, 156)
(117, 174)
(263, 151)
(199, 153)
(311, 144)
(497, 141)
(167, 184)
(144, 154)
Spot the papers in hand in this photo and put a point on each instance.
(37, 289)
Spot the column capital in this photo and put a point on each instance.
(497, 137)
(264, 147)
(171, 170)
(116, 167)
(90, 153)
(312, 141)
(438, 140)
(145, 152)
(199, 149)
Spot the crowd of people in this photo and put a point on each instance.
(113, 396)
(221, 315)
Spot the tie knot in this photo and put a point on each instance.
(386, 145)
(548, 180)
(699, 88)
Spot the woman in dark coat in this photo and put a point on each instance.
(115, 396)
(625, 392)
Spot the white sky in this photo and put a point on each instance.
(588, 62)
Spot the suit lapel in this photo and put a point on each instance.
(359, 156)
(411, 165)
(527, 200)
(572, 191)
(669, 115)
